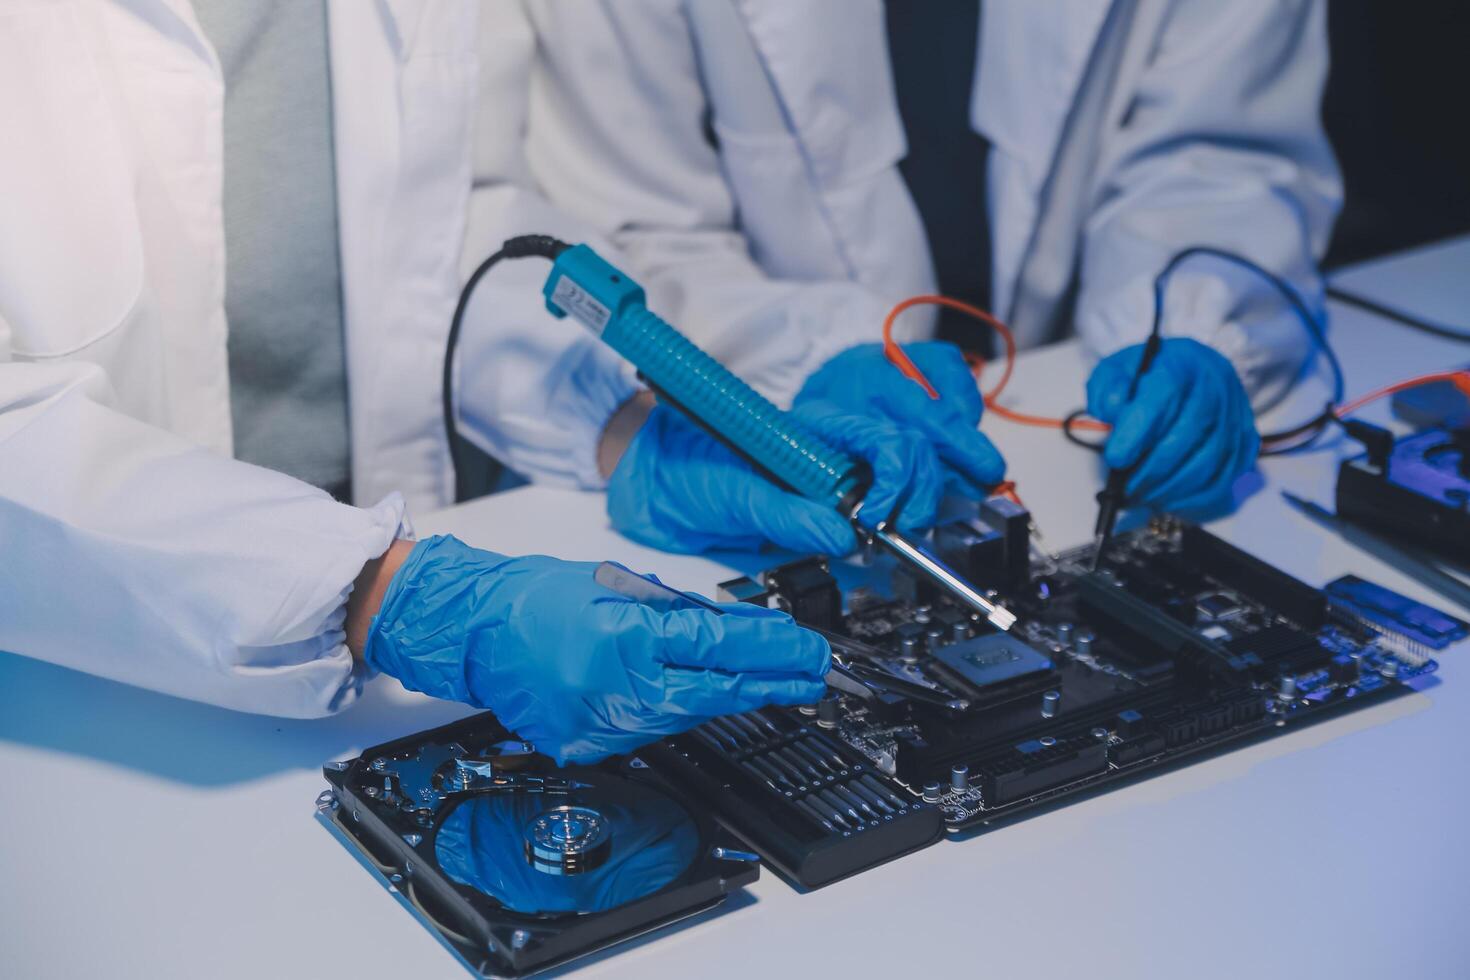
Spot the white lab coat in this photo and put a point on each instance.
(135, 548)
(1121, 132)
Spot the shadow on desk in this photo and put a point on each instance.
(64, 710)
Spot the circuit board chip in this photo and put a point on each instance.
(993, 658)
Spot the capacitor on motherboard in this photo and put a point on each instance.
(935, 635)
(1082, 642)
(1286, 687)
(959, 777)
(827, 712)
(908, 648)
(931, 791)
(1064, 633)
(1049, 702)
(959, 632)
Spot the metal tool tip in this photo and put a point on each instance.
(1001, 618)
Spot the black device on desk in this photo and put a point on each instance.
(1178, 647)
(1416, 487)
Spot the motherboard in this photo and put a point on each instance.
(1176, 646)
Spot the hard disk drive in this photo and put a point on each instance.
(517, 865)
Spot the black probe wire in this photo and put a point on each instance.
(1313, 427)
(1399, 316)
(521, 246)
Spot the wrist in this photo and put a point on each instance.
(368, 592)
(620, 430)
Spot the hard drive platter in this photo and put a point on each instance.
(599, 846)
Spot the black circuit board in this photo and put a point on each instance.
(1178, 646)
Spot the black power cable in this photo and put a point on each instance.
(1399, 316)
(522, 246)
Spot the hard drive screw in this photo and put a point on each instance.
(519, 938)
(1047, 740)
(326, 800)
(1099, 732)
(337, 766)
(371, 791)
(413, 840)
(730, 854)
(380, 764)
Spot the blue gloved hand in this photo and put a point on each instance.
(576, 669)
(861, 381)
(1189, 429)
(679, 489)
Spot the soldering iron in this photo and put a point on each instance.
(585, 286)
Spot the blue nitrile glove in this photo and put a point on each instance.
(576, 669)
(861, 381)
(1190, 427)
(679, 489)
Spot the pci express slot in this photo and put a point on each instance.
(1039, 765)
(1132, 616)
(823, 814)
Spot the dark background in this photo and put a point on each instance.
(1398, 113)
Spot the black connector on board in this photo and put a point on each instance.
(1267, 584)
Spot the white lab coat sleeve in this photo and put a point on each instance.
(589, 128)
(134, 554)
(1221, 144)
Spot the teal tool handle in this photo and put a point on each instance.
(613, 306)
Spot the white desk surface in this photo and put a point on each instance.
(143, 836)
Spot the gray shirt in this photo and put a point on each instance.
(283, 284)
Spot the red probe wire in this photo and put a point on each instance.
(896, 355)
(900, 359)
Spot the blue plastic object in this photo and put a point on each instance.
(577, 669)
(589, 288)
